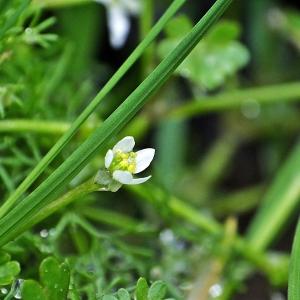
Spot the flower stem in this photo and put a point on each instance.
(59, 3)
(78, 192)
(235, 99)
(36, 126)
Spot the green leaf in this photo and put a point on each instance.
(123, 294)
(157, 291)
(55, 277)
(141, 291)
(279, 203)
(223, 33)
(17, 219)
(32, 290)
(294, 272)
(178, 27)
(4, 257)
(216, 57)
(12, 16)
(8, 272)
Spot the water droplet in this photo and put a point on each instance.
(18, 288)
(216, 290)
(250, 108)
(91, 269)
(169, 239)
(56, 286)
(277, 296)
(156, 272)
(276, 18)
(167, 236)
(44, 233)
(4, 291)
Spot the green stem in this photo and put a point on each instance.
(36, 126)
(146, 20)
(278, 205)
(287, 92)
(294, 272)
(63, 141)
(74, 194)
(58, 3)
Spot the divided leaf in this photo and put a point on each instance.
(55, 279)
(8, 269)
(8, 272)
(218, 56)
(32, 291)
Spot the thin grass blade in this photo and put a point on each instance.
(294, 272)
(278, 204)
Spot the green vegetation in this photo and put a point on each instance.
(82, 82)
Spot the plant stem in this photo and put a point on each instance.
(146, 20)
(287, 92)
(58, 3)
(82, 190)
(36, 126)
(294, 272)
(278, 204)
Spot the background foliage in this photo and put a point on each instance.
(217, 219)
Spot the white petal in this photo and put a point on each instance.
(108, 158)
(118, 25)
(125, 145)
(123, 177)
(143, 159)
(139, 180)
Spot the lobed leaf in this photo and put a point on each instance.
(216, 57)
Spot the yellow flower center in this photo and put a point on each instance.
(123, 161)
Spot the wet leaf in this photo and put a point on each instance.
(218, 56)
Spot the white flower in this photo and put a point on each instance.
(118, 18)
(122, 163)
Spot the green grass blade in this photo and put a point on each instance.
(286, 92)
(278, 204)
(294, 272)
(61, 143)
(14, 222)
